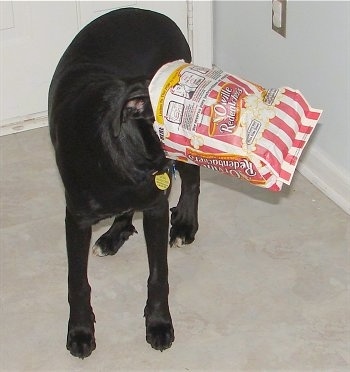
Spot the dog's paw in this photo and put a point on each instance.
(183, 229)
(160, 335)
(109, 244)
(81, 341)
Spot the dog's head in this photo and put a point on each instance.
(128, 130)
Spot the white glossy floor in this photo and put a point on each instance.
(263, 288)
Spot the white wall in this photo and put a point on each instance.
(314, 58)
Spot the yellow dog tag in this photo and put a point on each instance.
(162, 181)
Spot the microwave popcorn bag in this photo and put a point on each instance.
(210, 118)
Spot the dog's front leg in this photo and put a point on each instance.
(80, 338)
(159, 328)
(184, 217)
(111, 241)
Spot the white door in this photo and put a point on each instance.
(35, 34)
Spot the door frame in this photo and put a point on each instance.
(200, 37)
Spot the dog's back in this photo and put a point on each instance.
(129, 42)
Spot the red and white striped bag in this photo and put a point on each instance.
(210, 118)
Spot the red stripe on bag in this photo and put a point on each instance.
(298, 143)
(278, 122)
(213, 94)
(240, 84)
(284, 175)
(305, 129)
(268, 158)
(179, 139)
(296, 96)
(289, 110)
(292, 159)
(169, 149)
(313, 115)
(231, 139)
(277, 141)
(274, 187)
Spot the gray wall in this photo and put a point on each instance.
(314, 58)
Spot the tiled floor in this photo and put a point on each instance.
(263, 287)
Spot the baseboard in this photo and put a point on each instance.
(23, 123)
(332, 180)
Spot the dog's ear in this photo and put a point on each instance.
(138, 107)
(135, 104)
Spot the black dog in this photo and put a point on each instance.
(108, 156)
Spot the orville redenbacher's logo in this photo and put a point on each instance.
(225, 113)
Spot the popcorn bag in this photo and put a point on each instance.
(210, 118)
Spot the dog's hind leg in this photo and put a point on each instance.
(110, 242)
(159, 328)
(184, 217)
(80, 338)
